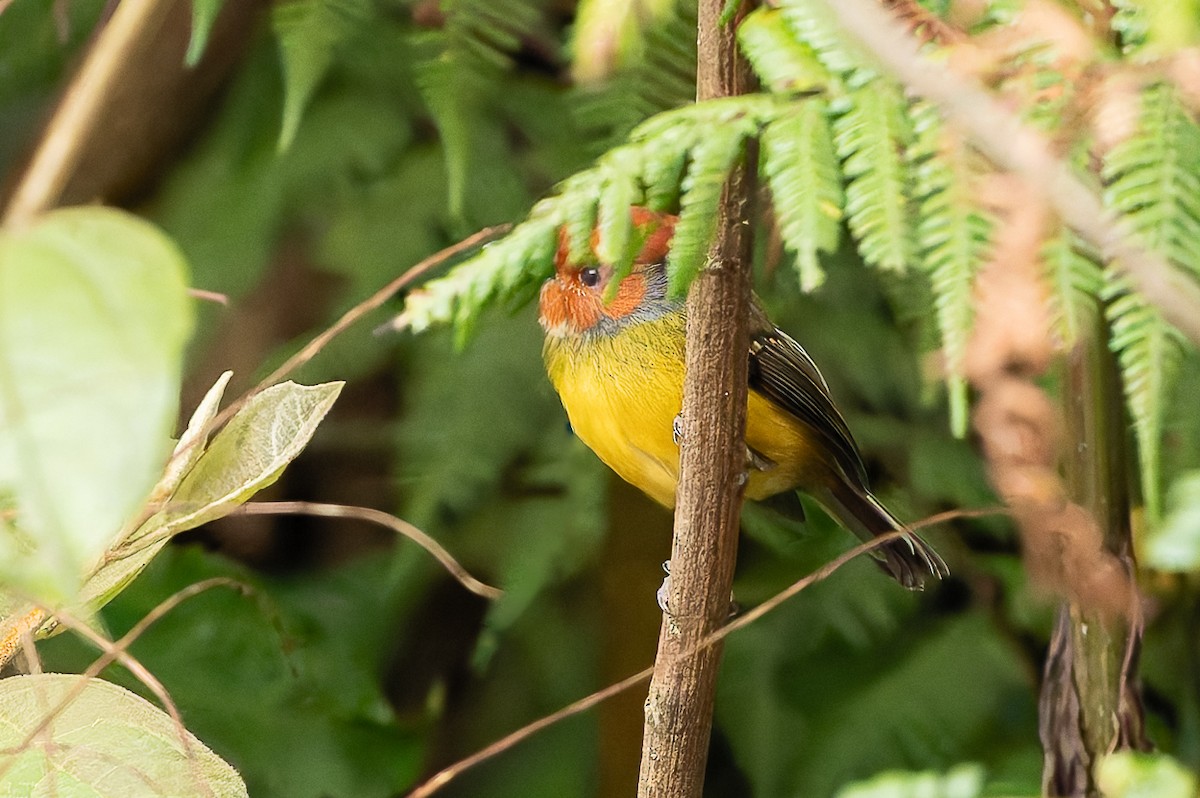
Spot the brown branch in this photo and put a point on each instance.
(1016, 147)
(62, 145)
(398, 525)
(712, 463)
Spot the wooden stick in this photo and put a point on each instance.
(61, 146)
(712, 465)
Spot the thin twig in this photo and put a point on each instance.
(71, 126)
(216, 297)
(381, 518)
(313, 347)
(1017, 147)
(451, 772)
(377, 299)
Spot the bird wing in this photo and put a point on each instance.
(783, 372)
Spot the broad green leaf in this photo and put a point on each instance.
(16, 614)
(94, 315)
(964, 781)
(204, 14)
(1128, 774)
(285, 683)
(246, 456)
(106, 743)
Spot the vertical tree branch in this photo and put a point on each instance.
(712, 462)
(1089, 704)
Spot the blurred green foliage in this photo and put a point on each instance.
(355, 670)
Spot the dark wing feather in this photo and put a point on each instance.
(783, 372)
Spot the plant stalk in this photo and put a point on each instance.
(679, 706)
(1090, 704)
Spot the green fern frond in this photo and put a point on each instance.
(1153, 178)
(1075, 280)
(871, 136)
(1153, 181)
(954, 234)
(659, 77)
(620, 190)
(1149, 351)
(458, 80)
(816, 26)
(712, 158)
(707, 136)
(665, 164)
(780, 59)
(802, 171)
(310, 32)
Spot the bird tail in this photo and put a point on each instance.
(907, 559)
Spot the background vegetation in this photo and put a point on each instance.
(305, 153)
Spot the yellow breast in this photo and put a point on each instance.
(623, 392)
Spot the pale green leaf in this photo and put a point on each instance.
(14, 610)
(94, 315)
(1130, 774)
(192, 442)
(106, 743)
(246, 456)
(963, 781)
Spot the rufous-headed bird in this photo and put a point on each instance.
(616, 360)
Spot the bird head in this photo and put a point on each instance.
(573, 301)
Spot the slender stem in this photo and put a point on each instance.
(712, 464)
(70, 128)
(1089, 705)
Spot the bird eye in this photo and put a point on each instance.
(590, 277)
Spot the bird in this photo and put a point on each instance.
(615, 355)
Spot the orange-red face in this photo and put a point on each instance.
(572, 301)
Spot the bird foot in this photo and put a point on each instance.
(677, 429)
(664, 590)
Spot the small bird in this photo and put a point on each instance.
(618, 368)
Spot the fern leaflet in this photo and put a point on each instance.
(310, 32)
(802, 171)
(1076, 281)
(1153, 182)
(871, 135)
(954, 234)
(780, 59)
